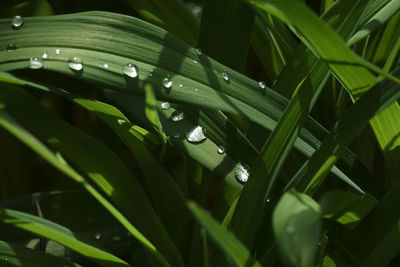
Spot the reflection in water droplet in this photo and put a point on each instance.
(180, 85)
(58, 51)
(130, 70)
(44, 55)
(35, 63)
(177, 116)
(165, 105)
(262, 85)
(166, 82)
(17, 22)
(221, 150)
(198, 51)
(195, 61)
(75, 64)
(196, 135)
(225, 75)
(268, 200)
(105, 65)
(11, 47)
(116, 237)
(97, 236)
(241, 173)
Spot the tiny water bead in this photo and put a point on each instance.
(17, 22)
(262, 85)
(130, 70)
(241, 173)
(198, 51)
(35, 63)
(11, 47)
(104, 66)
(177, 116)
(180, 85)
(167, 83)
(97, 236)
(165, 105)
(151, 72)
(195, 61)
(221, 150)
(196, 135)
(45, 55)
(58, 51)
(75, 64)
(225, 76)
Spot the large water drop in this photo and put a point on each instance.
(17, 22)
(196, 135)
(166, 82)
(130, 70)
(75, 64)
(35, 63)
(165, 105)
(177, 116)
(241, 173)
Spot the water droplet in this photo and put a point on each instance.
(130, 70)
(268, 200)
(116, 237)
(196, 90)
(151, 72)
(105, 65)
(198, 51)
(11, 47)
(166, 82)
(177, 116)
(221, 150)
(195, 61)
(165, 105)
(196, 135)
(75, 64)
(58, 51)
(17, 22)
(97, 236)
(262, 85)
(176, 135)
(180, 85)
(225, 75)
(44, 55)
(35, 63)
(241, 173)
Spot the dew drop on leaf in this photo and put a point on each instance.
(262, 85)
(198, 51)
(165, 105)
(105, 65)
(45, 55)
(97, 236)
(35, 63)
(196, 135)
(17, 22)
(130, 70)
(75, 64)
(58, 51)
(221, 150)
(241, 173)
(166, 82)
(225, 76)
(177, 116)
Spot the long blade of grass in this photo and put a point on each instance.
(59, 233)
(20, 256)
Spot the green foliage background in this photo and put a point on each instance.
(95, 171)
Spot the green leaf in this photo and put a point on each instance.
(223, 238)
(14, 255)
(60, 234)
(297, 223)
